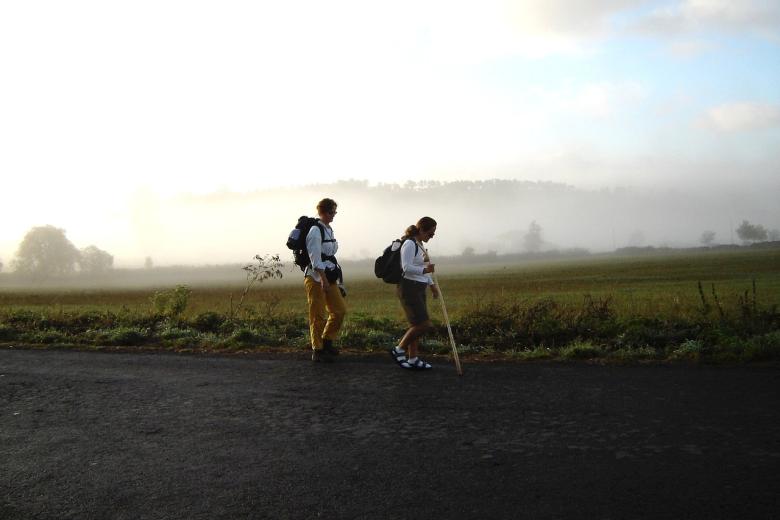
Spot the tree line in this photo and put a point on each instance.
(46, 252)
(748, 233)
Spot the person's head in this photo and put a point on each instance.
(423, 230)
(326, 209)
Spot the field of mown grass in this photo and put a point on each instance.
(712, 306)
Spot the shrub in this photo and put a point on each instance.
(582, 350)
(7, 333)
(46, 337)
(596, 318)
(242, 337)
(171, 303)
(690, 350)
(208, 321)
(126, 336)
(762, 348)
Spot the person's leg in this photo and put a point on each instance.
(412, 298)
(413, 348)
(413, 334)
(411, 340)
(316, 300)
(337, 309)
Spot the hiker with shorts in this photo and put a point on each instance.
(321, 280)
(416, 278)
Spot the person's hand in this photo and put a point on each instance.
(429, 268)
(324, 281)
(435, 292)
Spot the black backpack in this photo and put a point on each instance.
(296, 241)
(388, 266)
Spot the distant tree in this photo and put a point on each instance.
(46, 251)
(748, 232)
(469, 251)
(1, 267)
(533, 238)
(707, 238)
(637, 238)
(95, 261)
(774, 236)
(148, 264)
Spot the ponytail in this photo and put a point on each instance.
(410, 232)
(424, 224)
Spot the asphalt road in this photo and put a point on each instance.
(132, 435)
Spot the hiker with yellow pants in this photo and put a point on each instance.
(323, 283)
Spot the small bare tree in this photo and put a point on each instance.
(532, 240)
(707, 238)
(267, 266)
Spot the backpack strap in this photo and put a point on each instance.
(416, 247)
(330, 258)
(322, 232)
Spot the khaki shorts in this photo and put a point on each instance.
(412, 297)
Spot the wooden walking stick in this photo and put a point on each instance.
(447, 321)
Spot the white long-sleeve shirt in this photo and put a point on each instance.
(316, 247)
(413, 264)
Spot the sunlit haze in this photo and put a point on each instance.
(172, 129)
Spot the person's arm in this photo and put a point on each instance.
(314, 247)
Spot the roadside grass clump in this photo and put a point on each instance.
(546, 322)
(130, 336)
(689, 350)
(25, 318)
(582, 350)
(503, 325)
(7, 333)
(596, 318)
(364, 332)
(208, 321)
(765, 347)
(247, 335)
(628, 355)
(439, 345)
(730, 349)
(124, 337)
(654, 332)
(534, 354)
(174, 333)
(46, 337)
(242, 337)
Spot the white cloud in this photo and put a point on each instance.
(759, 17)
(685, 49)
(598, 100)
(469, 32)
(743, 116)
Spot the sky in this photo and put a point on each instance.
(105, 104)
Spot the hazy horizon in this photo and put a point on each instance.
(228, 227)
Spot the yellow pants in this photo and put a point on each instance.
(320, 301)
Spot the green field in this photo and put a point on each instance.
(685, 305)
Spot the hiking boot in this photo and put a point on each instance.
(327, 346)
(321, 356)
